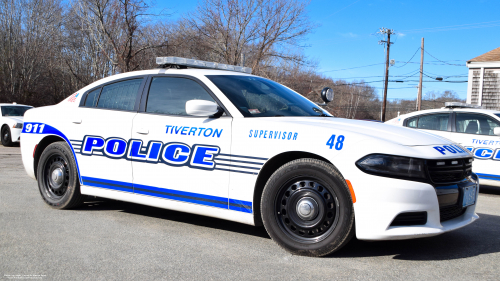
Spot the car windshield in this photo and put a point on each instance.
(14, 110)
(259, 97)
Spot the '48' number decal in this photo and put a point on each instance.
(338, 144)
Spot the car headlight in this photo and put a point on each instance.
(392, 166)
(18, 126)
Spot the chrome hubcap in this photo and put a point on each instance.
(57, 176)
(307, 208)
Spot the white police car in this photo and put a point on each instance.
(231, 145)
(475, 128)
(11, 122)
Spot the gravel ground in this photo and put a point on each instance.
(110, 240)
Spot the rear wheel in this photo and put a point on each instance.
(6, 136)
(307, 208)
(58, 177)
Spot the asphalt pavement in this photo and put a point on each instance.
(111, 240)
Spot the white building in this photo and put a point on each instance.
(484, 80)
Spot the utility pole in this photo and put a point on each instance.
(388, 43)
(419, 98)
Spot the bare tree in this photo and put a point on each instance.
(116, 28)
(259, 30)
(31, 32)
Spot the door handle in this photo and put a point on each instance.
(77, 121)
(143, 131)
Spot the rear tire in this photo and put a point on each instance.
(307, 208)
(58, 177)
(6, 136)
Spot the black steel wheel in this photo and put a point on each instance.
(58, 177)
(307, 208)
(6, 136)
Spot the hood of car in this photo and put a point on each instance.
(389, 133)
(14, 119)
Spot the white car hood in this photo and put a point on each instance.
(15, 119)
(389, 133)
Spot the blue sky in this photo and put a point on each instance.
(346, 40)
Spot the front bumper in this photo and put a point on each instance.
(381, 199)
(15, 134)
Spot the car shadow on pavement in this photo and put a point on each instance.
(480, 237)
(101, 204)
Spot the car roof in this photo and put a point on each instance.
(443, 109)
(189, 71)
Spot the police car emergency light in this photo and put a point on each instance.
(200, 64)
(461, 105)
(239, 147)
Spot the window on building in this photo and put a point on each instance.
(168, 95)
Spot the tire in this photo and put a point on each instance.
(6, 136)
(58, 177)
(323, 224)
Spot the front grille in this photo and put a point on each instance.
(450, 212)
(449, 170)
(410, 218)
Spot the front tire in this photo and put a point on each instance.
(58, 177)
(307, 208)
(6, 136)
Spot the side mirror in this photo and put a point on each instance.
(201, 108)
(496, 131)
(327, 95)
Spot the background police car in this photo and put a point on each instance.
(476, 129)
(192, 140)
(11, 122)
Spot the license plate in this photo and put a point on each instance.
(469, 195)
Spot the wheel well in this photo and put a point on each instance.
(269, 168)
(41, 147)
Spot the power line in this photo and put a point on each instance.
(455, 27)
(441, 60)
(409, 59)
(354, 67)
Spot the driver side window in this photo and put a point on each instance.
(168, 95)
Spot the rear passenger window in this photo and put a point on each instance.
(121, 95)
(92, 97)
(168, 95)
(475, 124)
(412, 123)
(438, 122)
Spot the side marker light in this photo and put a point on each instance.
(351, 190)
(34, 150)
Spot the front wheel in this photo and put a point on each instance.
(6, 136)
(307, 208)
(58, 177)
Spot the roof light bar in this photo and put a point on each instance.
(201, 64)
(461, 105)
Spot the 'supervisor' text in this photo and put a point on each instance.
(198, 156)
(275, 135)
